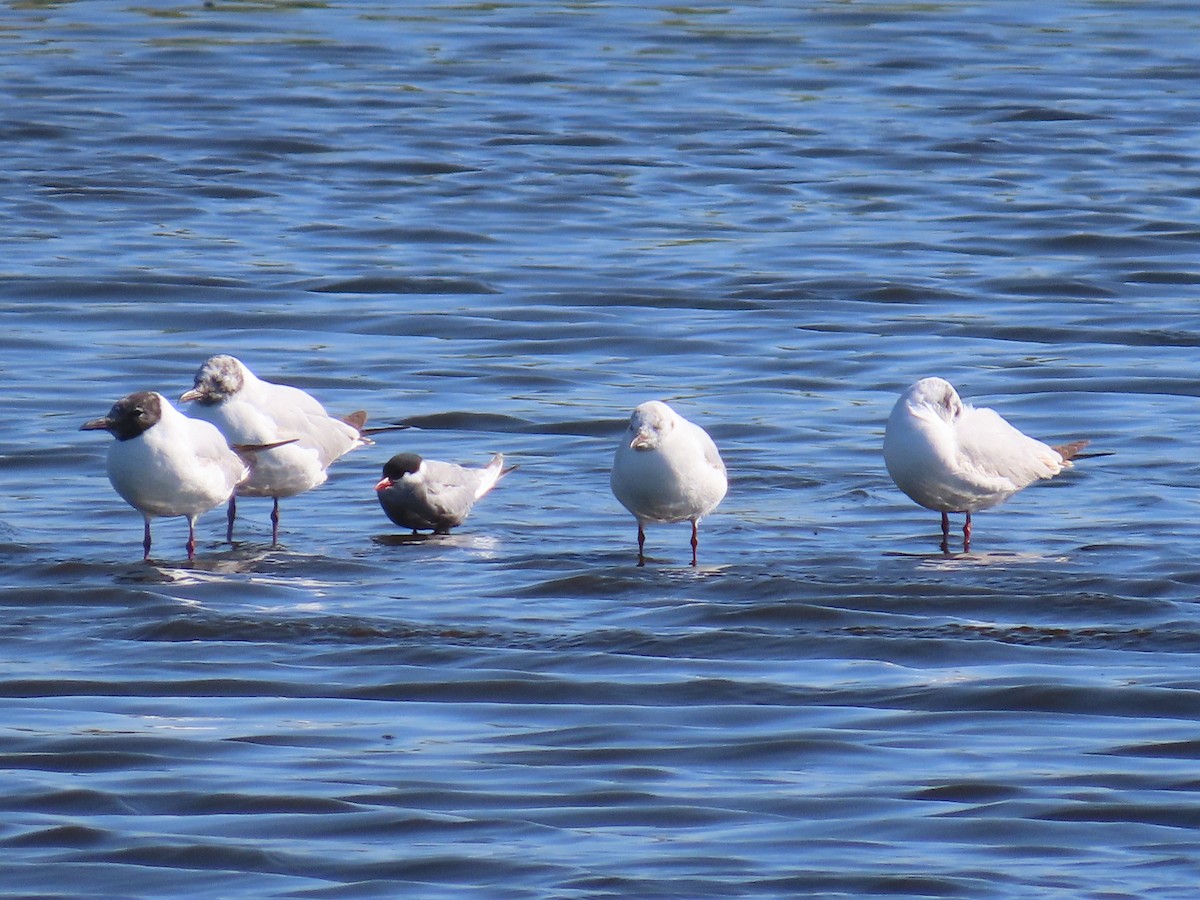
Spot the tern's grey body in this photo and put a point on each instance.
(425, 494)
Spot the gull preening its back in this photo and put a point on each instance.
(250, 410)
(952, 457)
(667, 469)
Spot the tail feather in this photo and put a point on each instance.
(492, 473)
(379, 429)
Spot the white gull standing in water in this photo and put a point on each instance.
(667, 469)
(249, 410)
(950, 456)
(163, 463)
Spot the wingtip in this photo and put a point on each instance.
(1070, 451)
(380, 429)
(356, 420)
(258, 448)
(497, 462)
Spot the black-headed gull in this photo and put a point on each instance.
(950, 456)
(166, 464)
(421, 493)
(667, 469)
(249, 410)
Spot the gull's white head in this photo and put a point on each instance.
(650, 424)
(933, 396)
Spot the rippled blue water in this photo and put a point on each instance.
(510, 223)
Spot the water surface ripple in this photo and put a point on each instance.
(507, 224)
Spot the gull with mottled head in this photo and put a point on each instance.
(250, 410)
(667, 469)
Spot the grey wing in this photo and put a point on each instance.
(449, 491)
(994, 448)
(331, 438)
(212, 450)
(209, 443)
(300, 415)
(712, 455)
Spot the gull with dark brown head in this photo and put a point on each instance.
(163, 463)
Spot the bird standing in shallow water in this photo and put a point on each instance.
(249, 410)
(421, 493)
(166, 464)
(667, 469)
(952, 457)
